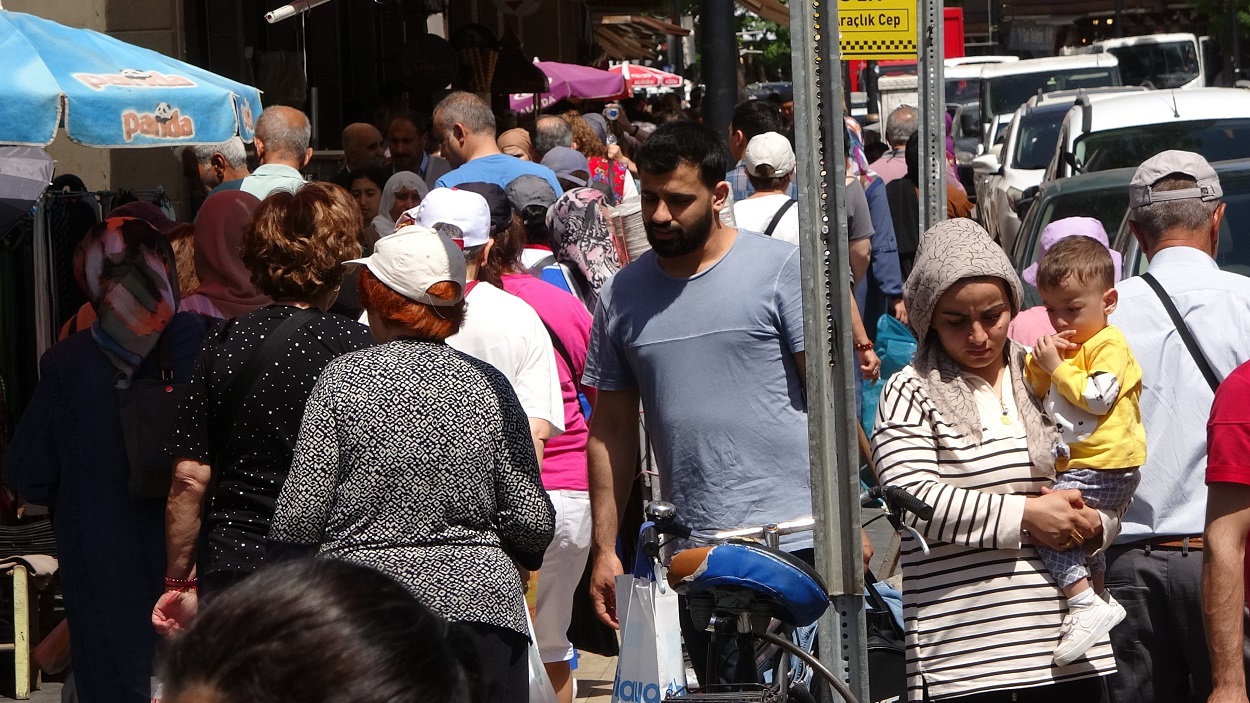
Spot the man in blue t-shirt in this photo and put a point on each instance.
(706, 329)
(466, 127)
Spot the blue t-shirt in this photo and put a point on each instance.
(712, 357)
(499, 169)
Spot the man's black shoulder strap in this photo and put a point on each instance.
(781, 212)
(1186, 335)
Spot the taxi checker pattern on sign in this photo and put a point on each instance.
(877, 29)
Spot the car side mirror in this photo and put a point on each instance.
(987, 165)
(1026, 201)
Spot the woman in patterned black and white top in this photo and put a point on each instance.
(960, 429)
(416, 459)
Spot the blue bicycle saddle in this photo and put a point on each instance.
(788, 584)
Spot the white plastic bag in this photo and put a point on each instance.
(650, 666)
(541, 690)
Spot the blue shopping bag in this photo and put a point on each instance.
(895, 345)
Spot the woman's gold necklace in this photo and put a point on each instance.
(1006, 417)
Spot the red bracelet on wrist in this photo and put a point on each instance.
(863, 347)
(181, 584)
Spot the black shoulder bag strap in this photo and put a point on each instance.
(781, 212)
(1186, 335)
(243, 385)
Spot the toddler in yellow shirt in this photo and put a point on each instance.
(1090, 384)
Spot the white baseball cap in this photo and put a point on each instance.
(464, 209)
(415, 258)
(770, 149)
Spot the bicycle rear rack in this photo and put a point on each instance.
(729, 694)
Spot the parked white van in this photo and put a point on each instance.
(1156, 60)
(1007, 86)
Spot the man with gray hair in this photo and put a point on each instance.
(215, 163)
(550, 132)
(282, 136)
(465, 127)
(899, 126)
(1180, 320)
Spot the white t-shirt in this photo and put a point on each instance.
(754, 214)
(505, 332)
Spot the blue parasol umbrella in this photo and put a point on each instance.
(107, 93)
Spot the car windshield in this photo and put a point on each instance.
(1107, 204)
(1035, 144)
(1006, 93)
(1216, 140)
(961, 91)
(1165, 65)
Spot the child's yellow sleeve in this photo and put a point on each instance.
(1036, 376)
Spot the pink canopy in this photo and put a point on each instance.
(646, 77)
(566, 80)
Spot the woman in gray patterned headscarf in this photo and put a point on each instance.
(960, 429)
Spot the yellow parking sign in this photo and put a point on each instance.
(877, 29)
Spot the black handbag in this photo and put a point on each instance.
(149, 410)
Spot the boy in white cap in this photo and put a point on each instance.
(770, 167)
(499, 328)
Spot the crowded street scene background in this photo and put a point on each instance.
(380, 401)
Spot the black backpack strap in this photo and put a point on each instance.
(238, 391)
(781, 212)
(1186, 335)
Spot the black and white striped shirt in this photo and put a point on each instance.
(981, 611)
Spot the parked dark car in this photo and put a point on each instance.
(1103, 195)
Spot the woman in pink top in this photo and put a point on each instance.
(564, 457)
(1029, 325)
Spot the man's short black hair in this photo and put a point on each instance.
(691, 142)
(755, 117)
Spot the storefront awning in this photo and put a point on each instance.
(771, 10)
(625, 37)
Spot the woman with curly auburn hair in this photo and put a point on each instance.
(241, 411)
(608, 166)
(428, 473)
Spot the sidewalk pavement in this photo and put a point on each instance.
(594, 676)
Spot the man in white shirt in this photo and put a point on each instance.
(769, 162)
(1154, 569)
(499, 328)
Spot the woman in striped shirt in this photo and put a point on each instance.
(960, 429)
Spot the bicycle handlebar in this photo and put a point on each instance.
(897, 500)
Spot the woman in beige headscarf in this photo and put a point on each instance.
(960, 429)
(516, 142)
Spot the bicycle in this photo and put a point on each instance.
(756, 592)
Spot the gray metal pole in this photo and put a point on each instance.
(719, 63)
(932, 116)
(819, 133)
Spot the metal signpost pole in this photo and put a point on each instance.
(819, 133)
(932, 116)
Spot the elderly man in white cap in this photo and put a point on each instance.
(1184, 321)
(769, 163)
(500, 328)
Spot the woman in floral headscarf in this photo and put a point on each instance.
(960, 429)
(582, 232)
(68, 453)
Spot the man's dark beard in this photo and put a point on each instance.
(686, 241)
